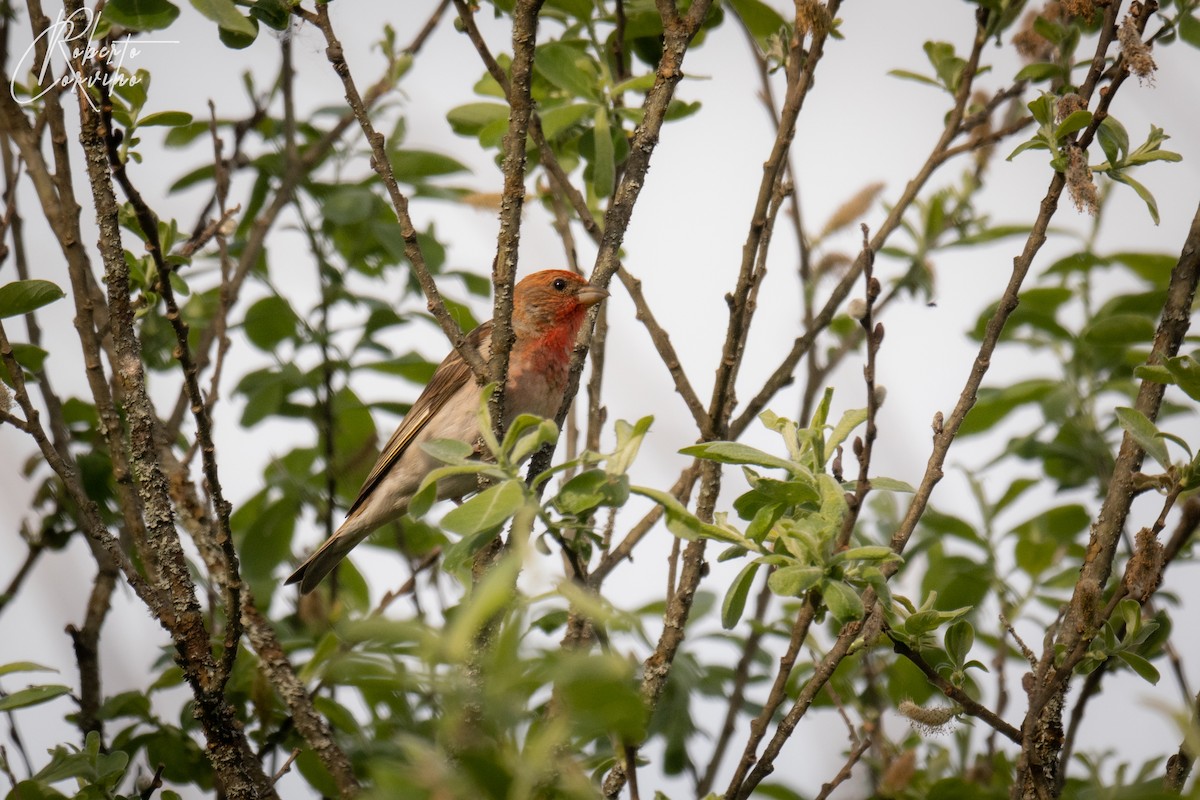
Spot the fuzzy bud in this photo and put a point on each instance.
(1080, 183)
(899, 774)
(1067, 105)
(852, 209)
(857, 309)
(1088, 592)
(1135, 51)
(811, 17)
(1144, 572)
(880, 395)
(832, 264)
(1030, 44)
(927, 720)
(1084, 9)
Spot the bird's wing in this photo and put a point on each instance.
(450, 376)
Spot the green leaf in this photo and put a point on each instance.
(269, 322)
(570, 69)
(764, 520)
(959, 639)
(1189, 29)
(274, 14)
(908, 75)
(1186, 372)
(36, 790)
(889, 485)
(760, 19)
(582, 493)
(737, 453)
(449, 451)
(526, 434)
(225, 14)
(846, 425)
(1039, 71)
(32, 696)
(685, 524)
(169, 119)
(948, 66)
(1114, 140)
(874, 552)
(1076, 121)
(141, 15)
(1145, 433)
(1119, 330)
(841, 599)
(29, 356)
(488, 509)
(23, 666)
(795, 580)
(629, 441)
(349, 205)
(603, 165)
(558, 120)
(1035, 143)
(1142, 192)
(236, 40)
(413, 165)
(21, 297)
(470, 119)
(422, 501)
(488, 598)
(1141, 666)
(735, 598)
(600, 696)
(1042, 108)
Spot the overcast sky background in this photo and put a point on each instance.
(858, 126)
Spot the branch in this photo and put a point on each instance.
(737, 697)
(228, 750)
(853, 757)
(968, 704)
(229, 578)
(91, 521)
(274, 663)
(562, 186)
(512, 199)
(758, 728)
(783, 374)
(383, 167)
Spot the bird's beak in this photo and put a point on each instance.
(590, 295)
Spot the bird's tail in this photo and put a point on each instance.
(327, 556)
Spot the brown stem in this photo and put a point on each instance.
(228, 578)
(228, 749)
(968, 704)
(758, 728)
(783, 374)
(737, 697)
(852, 758)
(512, 200)
(383, 167)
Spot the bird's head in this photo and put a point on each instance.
(552, 298)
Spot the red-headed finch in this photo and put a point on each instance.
(548, 311)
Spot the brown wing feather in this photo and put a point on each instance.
(450, 376)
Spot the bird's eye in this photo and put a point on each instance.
(559, 284)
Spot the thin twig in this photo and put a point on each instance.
(968, 704)
(852, 758)
(382, 165)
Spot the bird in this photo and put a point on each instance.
(549, 308)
